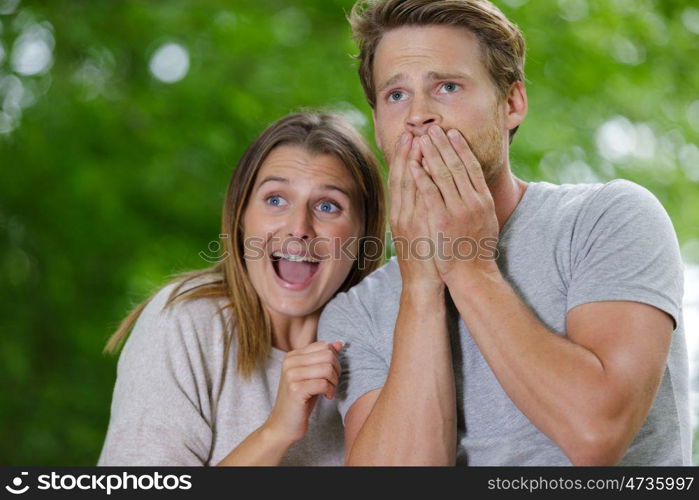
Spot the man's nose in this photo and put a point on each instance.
(421, 115)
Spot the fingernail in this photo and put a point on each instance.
(433, 131)
(453, 133)
(425, 139)
(404, 138)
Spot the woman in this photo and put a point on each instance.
(222, 366)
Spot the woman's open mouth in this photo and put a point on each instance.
(294, 272)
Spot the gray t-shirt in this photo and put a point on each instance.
(175, 402)
(562, 246)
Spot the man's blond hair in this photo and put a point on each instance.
(500, 40)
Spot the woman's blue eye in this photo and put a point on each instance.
(328, 207)
(274, 200)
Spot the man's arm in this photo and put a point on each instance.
(412, 419)
(590, 393)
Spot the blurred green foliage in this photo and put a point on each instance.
(110, 180)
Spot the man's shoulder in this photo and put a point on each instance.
(372, 296)
(573, 203)
(596, 193)
(618, 202)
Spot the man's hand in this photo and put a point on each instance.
(461, 211)
(408, 221)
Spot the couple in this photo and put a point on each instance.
(565, 347)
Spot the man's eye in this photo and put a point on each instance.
(450, 87)
(395, 96)
(275, 200)
(328, 207)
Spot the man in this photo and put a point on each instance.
(566, 346)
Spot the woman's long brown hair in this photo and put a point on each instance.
(317, 133)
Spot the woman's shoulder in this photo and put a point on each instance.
(177, 318)
(187, 297)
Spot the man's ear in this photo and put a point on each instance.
(516, 105)
(376, 133)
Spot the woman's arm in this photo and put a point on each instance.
(262, 447)
(306, 374)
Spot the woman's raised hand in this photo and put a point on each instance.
(306, 374)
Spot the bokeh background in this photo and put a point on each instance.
(121, 121)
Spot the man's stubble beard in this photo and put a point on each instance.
(487, 146)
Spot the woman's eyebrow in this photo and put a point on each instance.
(270, 178)
(335, 187)
(338, 188)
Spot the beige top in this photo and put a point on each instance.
(176, 403)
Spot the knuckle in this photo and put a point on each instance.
(441, 221)
(432, 190)
(456, 165)
(443, 174)
(482, 205)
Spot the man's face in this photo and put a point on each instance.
(434, 75)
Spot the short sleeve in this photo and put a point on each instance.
(624, 247)
(160, 401)
(363, 367)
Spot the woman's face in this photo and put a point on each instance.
(301, 230)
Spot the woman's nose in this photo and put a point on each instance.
(421, 115)
(300, 224)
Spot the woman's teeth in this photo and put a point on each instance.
(294, 258)
(295, 270)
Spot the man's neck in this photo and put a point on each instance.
(507, 191)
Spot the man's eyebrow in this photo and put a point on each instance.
(435, 75)
(432, 75)
(395, 78)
